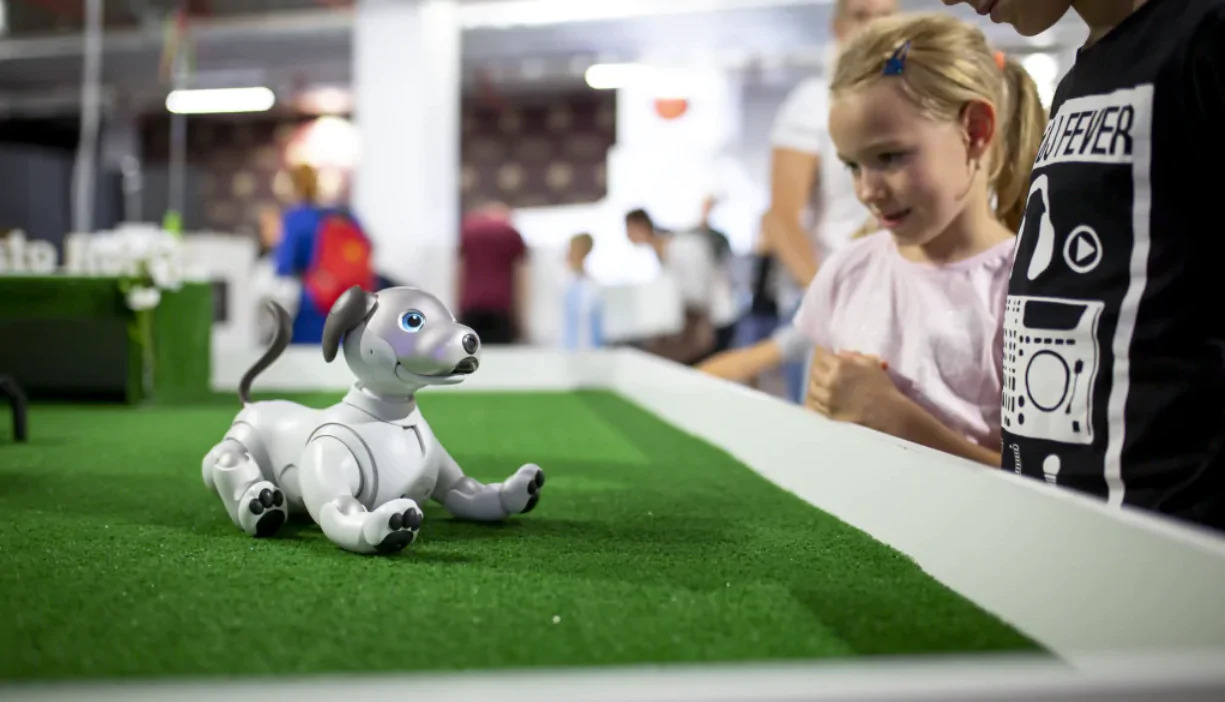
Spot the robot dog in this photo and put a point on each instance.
(361, 467)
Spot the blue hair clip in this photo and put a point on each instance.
(897, 62)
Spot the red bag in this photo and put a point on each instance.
(342, 259)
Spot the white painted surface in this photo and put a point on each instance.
(1115, 678)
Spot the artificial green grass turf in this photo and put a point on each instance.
(648, 545)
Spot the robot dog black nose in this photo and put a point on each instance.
(470, 343)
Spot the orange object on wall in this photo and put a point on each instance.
(671, 108)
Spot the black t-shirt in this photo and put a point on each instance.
(1114, 375)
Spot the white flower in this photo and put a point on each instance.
(140, 298)
(166, 272)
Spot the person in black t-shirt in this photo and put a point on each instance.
(1114, 373)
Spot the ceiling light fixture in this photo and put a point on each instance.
(220, 100)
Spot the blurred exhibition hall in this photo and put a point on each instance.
(517, 158)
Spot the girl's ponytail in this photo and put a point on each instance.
(1024, 125)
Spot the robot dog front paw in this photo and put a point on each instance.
(261, 509)
(521, 491)
(393, 526)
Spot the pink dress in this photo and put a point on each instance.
(939, 327)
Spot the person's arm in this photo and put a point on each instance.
(797, 139)
(742, 365)
(913, 423)
(787, 344)
(793, 175)
(856, 387)
(520, 257)
(523, 297)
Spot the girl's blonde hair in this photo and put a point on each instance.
(941, 64)
(305, 181)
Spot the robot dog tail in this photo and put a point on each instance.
(284, 330)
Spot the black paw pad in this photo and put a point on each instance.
(539, 481)
(256, 507)
(412, 519)
(269, 523)
(396, 521)
(265, 497)
(396, 541)
(531, 504)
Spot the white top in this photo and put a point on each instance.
(939, 327)
(802, 124)
(704, 283)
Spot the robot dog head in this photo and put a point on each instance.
(399, 340)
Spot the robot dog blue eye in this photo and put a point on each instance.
(412, 321)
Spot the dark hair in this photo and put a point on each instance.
(640, 216)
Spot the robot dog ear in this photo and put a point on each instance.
(348, 311)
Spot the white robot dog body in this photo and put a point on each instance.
(362, 467)
(390, 459)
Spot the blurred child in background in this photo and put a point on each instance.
(581, 313)
(295, 248)
(326, 250)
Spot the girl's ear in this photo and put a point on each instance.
(978, 122)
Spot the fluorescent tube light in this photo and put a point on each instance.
(220, 100)
(612, 76)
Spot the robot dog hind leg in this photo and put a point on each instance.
(255, 504)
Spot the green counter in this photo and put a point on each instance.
(70, 337)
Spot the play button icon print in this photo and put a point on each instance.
(1083, 250)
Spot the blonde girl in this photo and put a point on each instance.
(939, 133)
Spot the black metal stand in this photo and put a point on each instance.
(17, 401)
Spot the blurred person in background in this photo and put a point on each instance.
(721, 249)
(581, 309)
(705, 287)
(813, 213)
(720, 244)
(492, 275)
(325, 250)
(813, 209)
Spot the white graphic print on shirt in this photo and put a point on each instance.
(1066, 354)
